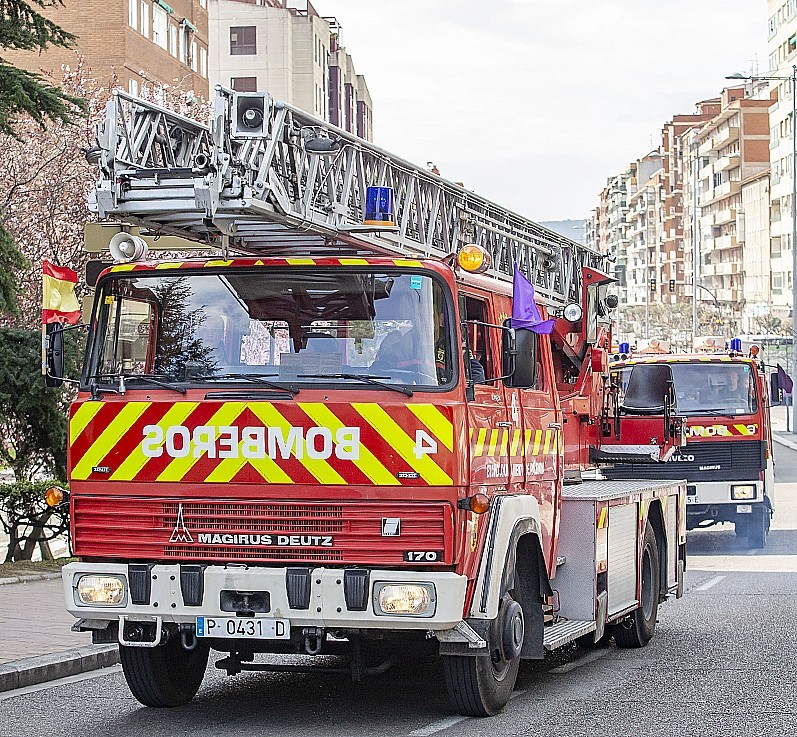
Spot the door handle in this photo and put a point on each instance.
(554, 425)
(504, 424)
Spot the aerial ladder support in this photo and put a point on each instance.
(253, 183)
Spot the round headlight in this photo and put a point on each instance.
(572, 313)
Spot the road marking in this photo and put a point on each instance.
(437, 726)
(451, 721)
(588, 658)
(709, 584)
(111, 670)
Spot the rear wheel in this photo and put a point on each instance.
(638, 627)
(481, 686)
(166, 675)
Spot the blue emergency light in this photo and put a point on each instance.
(625, 348)
(736, 345)
(379, 206)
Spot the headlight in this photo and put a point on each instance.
(101, 590)
(742, 491)
(413, 599)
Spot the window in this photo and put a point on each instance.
(203, 62)
(193, 56)
(132, 15)
(132, 86)
(185, 41)
(160, 25)
(173, 39)
(476, 339)
(145, 29)
(243, 40)
(244, 84)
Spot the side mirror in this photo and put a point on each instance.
(524, 375)
(508, 350)
(54, 355)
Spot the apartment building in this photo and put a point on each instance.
(288, 50)
(731, 147)
(130, 43)
(755, 232)
(782, 48)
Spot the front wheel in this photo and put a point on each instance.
(758, 528)
(480, 686)
(637, 628)
(166, 675)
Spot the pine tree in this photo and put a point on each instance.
(25, 95)
(23, 92)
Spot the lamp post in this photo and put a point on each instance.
(793, 79)
(713, 297)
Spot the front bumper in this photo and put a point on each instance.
(327, 607)
(717, 493)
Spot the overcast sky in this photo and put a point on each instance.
(534, 103)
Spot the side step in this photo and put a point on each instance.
(567, 630)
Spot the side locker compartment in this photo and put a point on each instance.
(623, 552)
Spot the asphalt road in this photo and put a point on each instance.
(722, 662)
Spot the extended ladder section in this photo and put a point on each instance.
(269, 179)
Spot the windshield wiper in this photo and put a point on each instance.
(253, 378)
(361, 377)
(121, 389)
(708, 411)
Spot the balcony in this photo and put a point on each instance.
(724, 136)
(727, 188)
(731, 161)
(728, 268)
(727, 215)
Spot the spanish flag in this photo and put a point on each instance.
(59, 303)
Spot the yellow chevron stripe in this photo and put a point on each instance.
(353, 261)
(301, 261)
(318, 467)
(517, 437)
(435, 421)
(394, 434)
(602, 518)
(218, 262)
(130, 466)
(527, 441)
(547, 445)
(84, 414)
(123, 267)
(368, 463)
(504, 442)
(179, 467)
(537, 442)
(110, 436)
(170, 265)
(743, 429)
(493, 442)
(480, 440)
(407, 262)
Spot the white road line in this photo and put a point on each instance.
(709, 584)
(451, 721)
(437, 726)
(60, 682)
(588, 658)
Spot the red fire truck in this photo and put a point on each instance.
(325, 436)
(727, 456)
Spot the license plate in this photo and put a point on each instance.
(254, 628)
(692, 499)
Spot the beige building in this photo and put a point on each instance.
(732, 147)
(291, 52)
(755, 237)
(130, 43)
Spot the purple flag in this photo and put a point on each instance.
(525, 313)
(784, 380)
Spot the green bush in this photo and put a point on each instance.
(29, 521)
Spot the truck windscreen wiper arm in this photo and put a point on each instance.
(135, 377)
(261, 379)
(360, 377)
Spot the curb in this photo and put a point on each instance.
(25, 577)
(783, 441)
(43, 668)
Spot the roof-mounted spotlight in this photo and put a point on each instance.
(572, 312)
(320, 142)
(93, 155)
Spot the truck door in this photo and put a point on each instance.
(489, 426)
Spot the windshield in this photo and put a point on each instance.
(710, 387)
(287, 325)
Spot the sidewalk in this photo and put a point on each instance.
(779, 434)
(36, 642)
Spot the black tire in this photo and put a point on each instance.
(164, 676)
(637, 628)
(759, 527)
(480, 686)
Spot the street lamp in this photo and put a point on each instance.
(793, 79)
